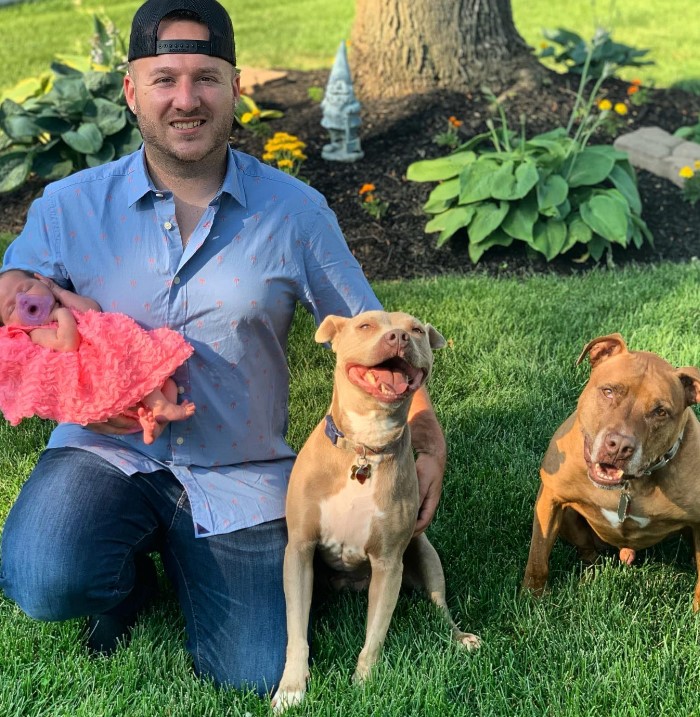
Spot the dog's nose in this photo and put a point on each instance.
(396, 338)
(619, 446)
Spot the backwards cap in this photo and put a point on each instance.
(144, 40)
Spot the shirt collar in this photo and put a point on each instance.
(141, 183)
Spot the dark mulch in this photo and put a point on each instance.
(396, 133)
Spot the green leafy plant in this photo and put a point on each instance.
(315, 93)
(691, 182)
(371, 203)
(552, 191)
(450, 137)
(71, 118)
(253, 118)
(575, 53)
(81, 121)
(690, 132)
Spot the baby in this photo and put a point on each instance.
(62, 358)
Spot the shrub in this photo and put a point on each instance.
(552, 191)
(69, 119)
(575, 53)
(76, 115)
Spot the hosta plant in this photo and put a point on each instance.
(553, 191)
(574, 52)
(71, 118)
(82, 121)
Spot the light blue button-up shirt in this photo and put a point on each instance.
(266, 242)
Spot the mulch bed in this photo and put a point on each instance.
(396, 133)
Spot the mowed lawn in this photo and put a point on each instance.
(611, 640)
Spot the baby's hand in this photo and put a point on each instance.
(49, 283)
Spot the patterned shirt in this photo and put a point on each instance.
(265, 242)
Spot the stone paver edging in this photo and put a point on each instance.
(659, 152)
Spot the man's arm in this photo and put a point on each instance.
(429, 443)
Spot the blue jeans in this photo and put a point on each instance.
(69, 547)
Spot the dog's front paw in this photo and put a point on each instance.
(287, 696)
(467, 640)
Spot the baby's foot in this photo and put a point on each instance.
(151, 428)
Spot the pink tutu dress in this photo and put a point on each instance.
(116, 364)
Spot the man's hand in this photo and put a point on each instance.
(430, 471)
(121, 425)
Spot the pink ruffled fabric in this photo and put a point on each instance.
(115, 366)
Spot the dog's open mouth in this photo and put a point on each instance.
(391, 380)
(605, 475)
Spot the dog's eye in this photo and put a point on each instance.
(607, 392)
(660, 412)
(363, 326)
(418, 330)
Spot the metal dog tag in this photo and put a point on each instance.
(623, 507)
(361, 473)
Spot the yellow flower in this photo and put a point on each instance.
(367, 188)
(298, 154)
(604, 105)
(621, 108)
(686, 173)
(282, 163)
(697, 164)
(268, 156)
(544, 45)
(246, 117)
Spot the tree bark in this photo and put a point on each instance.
(402, 47)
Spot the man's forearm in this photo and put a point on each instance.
(426, 432)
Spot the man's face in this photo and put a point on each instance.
(184, 103)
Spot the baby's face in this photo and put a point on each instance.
(13, 283)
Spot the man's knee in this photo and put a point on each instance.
(53, 579)
(260, 675)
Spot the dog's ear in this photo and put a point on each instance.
(690, 378)
(329, 328)
(602, 348)
(437, 340)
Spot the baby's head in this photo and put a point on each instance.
(24, 300)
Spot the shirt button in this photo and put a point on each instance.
(168, 225)
(176, 280)
(159, 195)
(180, 441)
(180, 389)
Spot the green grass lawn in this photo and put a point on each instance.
(611, 641)
(281, 34)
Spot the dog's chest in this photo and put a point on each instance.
(346, 524)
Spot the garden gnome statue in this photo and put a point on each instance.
(341, 113)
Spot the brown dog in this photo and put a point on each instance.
(353, 492)
(622, 469)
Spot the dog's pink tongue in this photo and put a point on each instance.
(395, 379)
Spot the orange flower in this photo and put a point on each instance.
(367, 188)
(632, 89)
(636, 82)
(454, 121)
(369, 197)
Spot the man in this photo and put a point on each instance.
(189, 234)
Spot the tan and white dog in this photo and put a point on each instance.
(622, 470)
(353, 492)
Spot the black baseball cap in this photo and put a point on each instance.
(144, 30)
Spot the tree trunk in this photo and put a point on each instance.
(402, 47)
